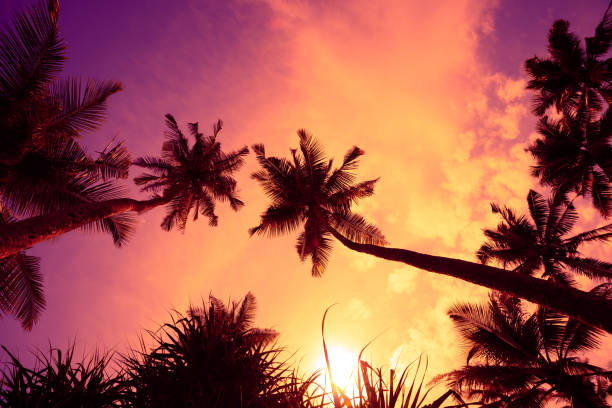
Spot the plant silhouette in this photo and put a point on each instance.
(518, 359)
(300, 195)
(542, 245)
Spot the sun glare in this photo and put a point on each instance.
(343, 364)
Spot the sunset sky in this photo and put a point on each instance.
(433, 91)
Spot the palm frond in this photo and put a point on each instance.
(590, 267)
(245, 314)
(32, 54)
(314, 158)
(538, 209)
(121, 227)
(343, 177)
(176, 146)
(487, 334)
(82, 106)
(357, 229)
(21, 288)
(599, 44)
(343, 199)
(579, 337)
(601, 193)
(278, 220)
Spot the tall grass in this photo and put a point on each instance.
(375, 390)
(58, 380)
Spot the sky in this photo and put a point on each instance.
(433, 92)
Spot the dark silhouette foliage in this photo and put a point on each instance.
(517, 359)
(543, 245)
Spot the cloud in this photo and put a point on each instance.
(358, 309)
(402, 280)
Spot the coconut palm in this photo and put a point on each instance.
(212, 357)
(517, 359)
(308, 191)
(185, 179)
(574, 154)
(42, 166)
(21, 292)
(541, 245)
(572, 76)
(305, 191)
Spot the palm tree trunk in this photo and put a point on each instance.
(20, 235)
(588, 308)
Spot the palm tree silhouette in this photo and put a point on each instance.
(516, 359)
(211, 357)
(308, 190)
(574, 154)
(572, 77)
(301, 194)
(542, 245)
(21, 292)
(187, 178)
(42, 166)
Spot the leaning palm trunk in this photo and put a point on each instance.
(17, 236)
(586, 307)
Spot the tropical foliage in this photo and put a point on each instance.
(543, 245)
(59, 380)
(307, 191)
(42, 166)
(192, 178)
(520, 359)
(21, 291)
(574, 154)
(211, 357)
(572, 77)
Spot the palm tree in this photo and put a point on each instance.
(541, 246)
(211, 357)
(186, 178)
(573, 77)
(21, 292)
(306, 191)
(516, 359)
(42, 167)
(574, 154)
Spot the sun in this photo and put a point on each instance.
(343, 364)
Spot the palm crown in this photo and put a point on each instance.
(542, 245)
(573, 76)
(192, 178)
(516, 359)
(306, 190)
(573, 154)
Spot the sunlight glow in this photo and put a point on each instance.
(343, 364)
